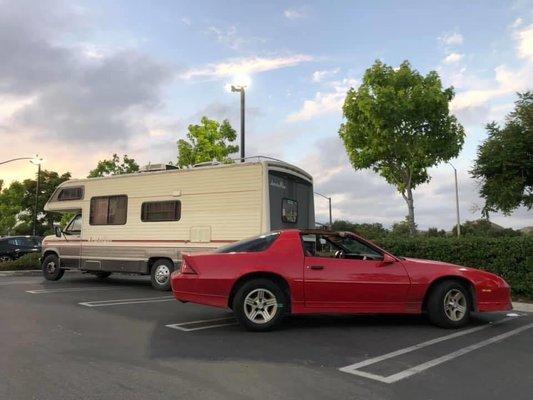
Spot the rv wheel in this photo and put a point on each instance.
(51, 268)
(161, 270)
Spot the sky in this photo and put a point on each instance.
(81, 80)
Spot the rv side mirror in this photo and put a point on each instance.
(57, 231)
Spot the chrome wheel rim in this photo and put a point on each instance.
(162, 273)
(260, 306)
(455, 305)
(5, 258)
(51, 267)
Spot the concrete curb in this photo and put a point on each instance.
(524, 307)
(26, 272)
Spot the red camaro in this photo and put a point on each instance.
(316, 272)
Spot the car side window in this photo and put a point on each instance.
(338, 246)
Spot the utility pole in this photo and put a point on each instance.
(241, 90)
(329, 203)
(456, 201)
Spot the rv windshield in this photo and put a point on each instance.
(250, 245)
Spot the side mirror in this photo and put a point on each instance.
(57, 231)
(388, 259)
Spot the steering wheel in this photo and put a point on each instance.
(340, 254)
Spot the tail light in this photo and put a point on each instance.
(186, 268)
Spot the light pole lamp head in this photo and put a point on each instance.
(36, 160)
(237, 88)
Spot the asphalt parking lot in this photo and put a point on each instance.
(81, 338)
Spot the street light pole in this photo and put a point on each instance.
(241, 90)
(329, 203)
(456, 201)
(36, 199)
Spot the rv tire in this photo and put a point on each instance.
(160, 274)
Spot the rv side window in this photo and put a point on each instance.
(289, 211)
(72, 193)
(108, 210)
(156, 211)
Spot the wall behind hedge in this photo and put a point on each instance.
(509, 257)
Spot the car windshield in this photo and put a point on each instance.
(254, 244)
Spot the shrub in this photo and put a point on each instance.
(28, 261)
(509, 257)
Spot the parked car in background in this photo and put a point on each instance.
(315, 272)
(13, 247)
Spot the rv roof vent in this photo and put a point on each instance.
(157, 167)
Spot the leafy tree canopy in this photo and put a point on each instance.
(398, 123)
(211, 140)
(114, 166)
(504, 163)
(369, 231)
(17, 204)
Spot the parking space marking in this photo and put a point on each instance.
(119, 302)
(218, 323)
(354, 369)
(63, 290)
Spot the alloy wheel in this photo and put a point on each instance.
(455, 305)
(260, 306)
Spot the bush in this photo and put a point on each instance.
(28, 261)
(509, 257)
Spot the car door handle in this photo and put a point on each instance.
(315, 267)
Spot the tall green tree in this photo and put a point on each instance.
(114, 166)
(398, 124)
(17, 205)
(504, 163)
(211, 140)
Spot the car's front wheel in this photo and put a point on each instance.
(51, 268)
(260, 305)
(5, 258)
(449, 305)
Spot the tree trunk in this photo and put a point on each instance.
(411, 211)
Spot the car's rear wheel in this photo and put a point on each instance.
(449, 305)
(5, 258)
(160, 274)
(52, 271)
(260, 305)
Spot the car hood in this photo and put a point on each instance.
(436, 263)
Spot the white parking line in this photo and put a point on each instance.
(183, 325)
(354, 368)
(118, 302)
(78, 289)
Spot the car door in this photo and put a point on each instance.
(343, 273)
(70, 247)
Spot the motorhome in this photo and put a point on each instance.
(142, 222)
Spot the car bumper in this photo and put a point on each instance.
(190, 288)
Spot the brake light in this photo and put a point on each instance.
(187, 269)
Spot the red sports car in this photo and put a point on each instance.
(265, 278)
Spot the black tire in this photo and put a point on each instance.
(5, 258)
(244, 312)
(451, 316)
(52, 270)
(102, 274)
(159, 268)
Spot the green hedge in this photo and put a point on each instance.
(29, 261)
(509, 257)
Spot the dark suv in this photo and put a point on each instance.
(13, 247)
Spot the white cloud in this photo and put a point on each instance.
(228, 37)
(319, 76)
(525, 43)
(324, 103)
(186, 21)
(506, 80)
(248, 66)
(295, 13)
(453, 58)
(517, 23)
(452, 39)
